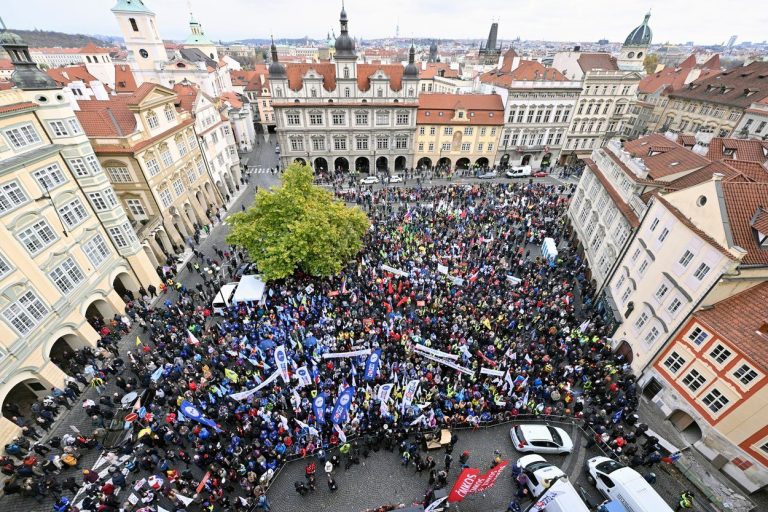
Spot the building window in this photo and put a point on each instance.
(403, 118)
(720, 354)
(122, 175)
(297, 144)
(641, 320)
(654, 223)
(292, 119)
(5, 267)
(361, 143)
(382, 143)
(431, 147)
(662, 292)
(652, 336)
(58, 128)
(446, 146)
(169, 113)
(643, 267)
(432, 130)
(346, 92)
(361, 118)
(401, 142)
(67, 276)
(421, 146)
(315, 119)
(636, 255)
(165, 198)
(468, 130)
(37, 237)
(136, 209)
(181, 146)
(382, 118)
(694, 380)
(663, 235)
(166, 157)
(674, 362)
(152, 119)
(118, 237)
(745, 374)
(178, 187)
(338, 118)
(152, 166)
(11, 197)
(73, 213)
(698, 336)
(480, 146)
(22, 136)
(686, 258)
(448, 130)
(96, 250)
(490, 146)
(701, 272)
(318, 144)
(74, 126)
(340, 143)
(27, 312)
(98, 202)
(466, 146)
(715, 401)
(674, 306)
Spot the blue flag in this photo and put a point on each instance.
(318, 406)
(617, 416)
(372, 365)
(343, 403)
(194, 414)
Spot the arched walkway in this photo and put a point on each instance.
(149, 251)
(546, 160)
(481, 162)
(99, 312)
(424, 163)
(504, 162)
(125, 284)
(686, 425)
(525, 160)
(300, 161)
(230, 183)
(63, 351)
(192, 214)
(444, 162)
(462, 163)
(23, 395)
(382, 164)
(161, 237)
(362, 164)
(400, 163)
(222, 188)
(321, 164)
(211, 195)
(341, 164)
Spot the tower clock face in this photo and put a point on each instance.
(144, 53)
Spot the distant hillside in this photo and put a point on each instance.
(49, 39)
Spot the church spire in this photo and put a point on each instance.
(27, 76)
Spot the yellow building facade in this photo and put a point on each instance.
(64, 265)
(458, 131)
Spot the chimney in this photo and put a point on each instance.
(577, 48)
(717, 176)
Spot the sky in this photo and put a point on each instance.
(675, 21)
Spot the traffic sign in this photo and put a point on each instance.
(131, 417)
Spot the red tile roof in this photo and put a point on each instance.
(124, 79)
(663, 157)
(110, 118)
(233, 99)
(91, 48)
(674, 78)
(241, 78)
(66, 75)
(296, 72)
(14, 107)
(481, 109)
(6, 64)
(623, 207)
(260, 72)
(705, 174)
(5, 85)
(436, 68)
(738, 319)
(393, 71)
(760, 220)
(595, 61)
(730, 87)
(527, 70)
(742, 200)
(187, 94)
(738, 149)
(752, 170)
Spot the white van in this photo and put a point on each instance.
(625, 485)
(519, 171)
(223, 299)
(550, 486)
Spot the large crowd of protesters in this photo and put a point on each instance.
(468, 281)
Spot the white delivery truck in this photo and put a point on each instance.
(625, 485)
(522, 171)
(550, 487)
(250, 289)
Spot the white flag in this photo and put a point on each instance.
(305, 379)
(342, 436)
(410, 392)
(281, 361)
(384, 391)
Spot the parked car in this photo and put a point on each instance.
(522, 171)
(540, 439)
(540, 174)
(394, 179)
(488, 175)
(370, 180)
(618, 482)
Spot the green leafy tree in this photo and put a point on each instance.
(298, 226)
(650, 62)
